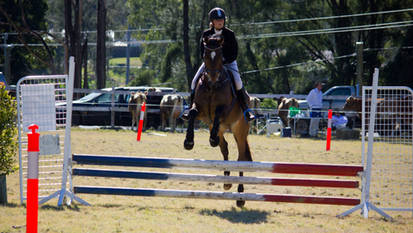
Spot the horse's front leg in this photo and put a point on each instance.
(189, 139)
(213, 136)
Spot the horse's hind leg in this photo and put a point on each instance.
(223, 145)
(189, 139)
(244, 154)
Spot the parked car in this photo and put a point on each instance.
(96, 107)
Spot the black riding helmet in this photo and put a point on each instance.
(216, 13)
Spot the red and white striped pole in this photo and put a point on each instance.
(141, 121)
(330, 116)
(33, 152)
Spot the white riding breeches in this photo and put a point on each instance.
(233, 67)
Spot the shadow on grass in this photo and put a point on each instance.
(73, 207)
(11, 205)
(238, 215)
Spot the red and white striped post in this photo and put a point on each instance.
(33, 152)
(141, 121)
(330, 116)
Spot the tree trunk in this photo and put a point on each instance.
(72, 38)
(344, 45)
(187, 55)
(84, 55)
(3, 190)
(100, 46)
(198, 34)
(78, 45)
(68, 31)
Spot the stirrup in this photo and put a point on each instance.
(248, 115)
(185, 115)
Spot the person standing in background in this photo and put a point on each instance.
(315, 103)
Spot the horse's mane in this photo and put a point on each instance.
(213, 41)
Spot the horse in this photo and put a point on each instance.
(134, 107)
(255, 106)
(171, 107)
(284, 104)
(216, 105)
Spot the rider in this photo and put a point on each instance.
(230, 52)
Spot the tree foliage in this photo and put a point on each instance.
(24, 22)
(8, 132)
(269, 64)
(268, 60)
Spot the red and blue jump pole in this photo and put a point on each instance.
(306, 182)
(287, 168)
(217, 195)
(33, 152)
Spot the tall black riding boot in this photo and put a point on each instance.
(185, 115)
(243, 99)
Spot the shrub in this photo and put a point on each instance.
(268, 103)
(8, 132)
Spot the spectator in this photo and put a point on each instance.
(339, 121)
(315, 103)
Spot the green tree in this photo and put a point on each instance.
(25, 23)
(8, 132)
(334, 52)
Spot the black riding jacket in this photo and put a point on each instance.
(230, 46)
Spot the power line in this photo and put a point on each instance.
(332, 30)
(272, 35)
(88, 31)
(296, 64)
(251, 23)
(324, 17)
(109, 44)
(322, 60)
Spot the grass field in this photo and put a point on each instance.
(118, 75)
(146, 214)
(133, 61)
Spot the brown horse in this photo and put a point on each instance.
(215, 104)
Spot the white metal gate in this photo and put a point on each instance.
(46, 100)
(387, 123)
(41, 100)
(391, 181)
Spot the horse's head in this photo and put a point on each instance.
(213, 57)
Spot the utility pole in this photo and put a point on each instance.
(6, 64)
(101, 46)
(359, 50)
(127, 55)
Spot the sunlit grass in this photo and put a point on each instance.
(153, 214)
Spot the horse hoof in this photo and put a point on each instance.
(227, 186)
(188, 145)
(240, 203)
(214, 141)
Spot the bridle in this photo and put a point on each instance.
(206, 70)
